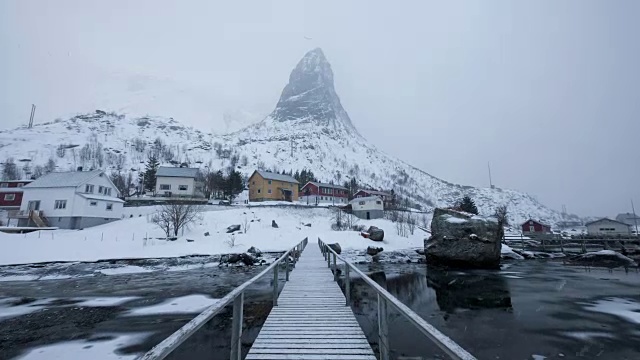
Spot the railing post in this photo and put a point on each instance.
(286, 264)
(522, 241)
(335, 268)
(562, 245)
(275, 285)
(347, 285)
(383, 330)
(236, 328)
(584, 246)
(328, 259)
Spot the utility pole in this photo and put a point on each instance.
(33, 112)
(635, 218)
(490, 181)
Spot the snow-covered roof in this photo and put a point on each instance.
(627, 216)
(64, 179)
(605, 220)
(334, 186)
(365, 198)
(279, 177)
(375, 192)
(101, 197)
(177, 172)
(535, 221)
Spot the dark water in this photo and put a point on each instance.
(531, 308)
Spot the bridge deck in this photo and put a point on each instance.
(311, 320)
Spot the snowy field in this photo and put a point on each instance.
(137, 238)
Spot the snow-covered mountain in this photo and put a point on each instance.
(309, 128)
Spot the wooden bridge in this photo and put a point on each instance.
(311, 319)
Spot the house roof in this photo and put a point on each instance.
(11, 190)
(101, 197)
(177, 172)
(627, 216)
(605, 219)
(366, 198)
(334, 186)
(63, 179)
(279, 177)
(375, 192)
(535, 221)
(16, 181)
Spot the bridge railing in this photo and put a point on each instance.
(385, 299)
(236, 296)
(576, 245)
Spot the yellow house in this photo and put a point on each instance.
(267, 186)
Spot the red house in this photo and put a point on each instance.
(316, 193)
(11, 193)
(535, 227)
(387, 198)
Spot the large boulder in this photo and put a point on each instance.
(274, 224)
(463, 240)
(375, 233)
(373, 251)
(336, 247)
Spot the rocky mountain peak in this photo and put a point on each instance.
(310, 96)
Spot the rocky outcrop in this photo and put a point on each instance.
(233, 228)
(375, 233)
(373, 251)
(336, 247)
(463, 240)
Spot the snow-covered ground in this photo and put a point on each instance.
(136, 237)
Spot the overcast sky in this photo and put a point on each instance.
(547, 91)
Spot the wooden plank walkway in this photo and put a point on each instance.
(311, 321)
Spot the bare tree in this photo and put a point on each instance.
(173, 217)
(502, 215)
(10, 170)
(231, 241)
(411, 222)
(245, 224)
(38, 171)
(244, 160)
(425, 221)
(338, 217)
(50, 165)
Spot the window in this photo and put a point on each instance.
(532, 228)
(361, 202)
(88, 189)
(269, 182)
(20, 184)
(269, 191)
(253, 183)
(108, 193)
(60, 204)
(4, 185)
(378, 202)
(183, 187)
(109, 207)
(100, 189)
(9, 197)
(165, 187)
(259, 190)
(93, 203)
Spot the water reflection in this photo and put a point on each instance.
(459, 290)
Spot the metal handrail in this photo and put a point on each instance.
(236, 296)
(448, 346)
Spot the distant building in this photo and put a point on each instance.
(177, 182)
(533, 227)
(629, 219)
(268, 186)
(321, 193)
(388, 199)
(70, 200)
(11, 193)
(369, 207)
(608, 227)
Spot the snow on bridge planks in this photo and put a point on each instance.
(311, 321)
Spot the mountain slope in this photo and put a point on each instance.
(308, 128)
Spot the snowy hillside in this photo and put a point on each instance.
(309, 128)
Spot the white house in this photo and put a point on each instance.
(70, 200)
(608, 227)
(369, 207)
(176, 181)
